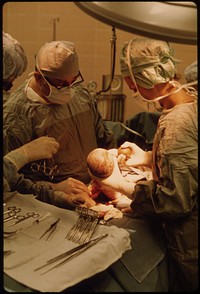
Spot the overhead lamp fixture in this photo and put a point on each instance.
(170, 20)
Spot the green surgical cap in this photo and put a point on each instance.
(14, 58)
(151, 61)
(190, 72)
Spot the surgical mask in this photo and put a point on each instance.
(59, 96)
(154, 104)
(149, 105)
(62, 95)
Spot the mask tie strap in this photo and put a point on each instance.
(45, 81)
(132, 76)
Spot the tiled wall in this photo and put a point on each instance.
(32, 24)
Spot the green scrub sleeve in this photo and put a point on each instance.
(142, 197)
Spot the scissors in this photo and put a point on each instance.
(51, 229)
(42, 166)
(21, 218)
(11, 215)
(13, 209)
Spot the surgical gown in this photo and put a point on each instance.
(173, 194)
(76, 125)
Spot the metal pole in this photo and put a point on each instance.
(54, 27)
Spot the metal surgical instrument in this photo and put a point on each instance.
(21, 218)
(11, 215)
(9, 234)
(42, 166)
(38, 220)
(13, 209)
(70, 253)
(51, 229)
(85, 225)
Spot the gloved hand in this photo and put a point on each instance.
(73, 199)
(138, 156)
(71, 185)
(72, 192)
(114, 183)
(40, 148)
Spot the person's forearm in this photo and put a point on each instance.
(17, 157)
(53, 185)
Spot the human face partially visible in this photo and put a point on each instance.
(130, 83)
(145, 93)
(59, 84)
(143, 96)
(58, 90)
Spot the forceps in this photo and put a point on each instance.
(51, 229)
(21, 218)
(66, 256)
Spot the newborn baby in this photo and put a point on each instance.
(100, 163)
(103, 164)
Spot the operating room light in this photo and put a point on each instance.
(170, 20)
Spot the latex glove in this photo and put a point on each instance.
(138, 156)
(71, 186)
(114, 183)
(113, 151)
(40, 148)
(73, 199)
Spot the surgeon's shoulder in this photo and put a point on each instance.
(18, 94)
(84, 93)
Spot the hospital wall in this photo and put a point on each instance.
(34, 23)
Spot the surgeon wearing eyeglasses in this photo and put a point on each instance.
(53, 102)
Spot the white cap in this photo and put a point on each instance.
(58, 60)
